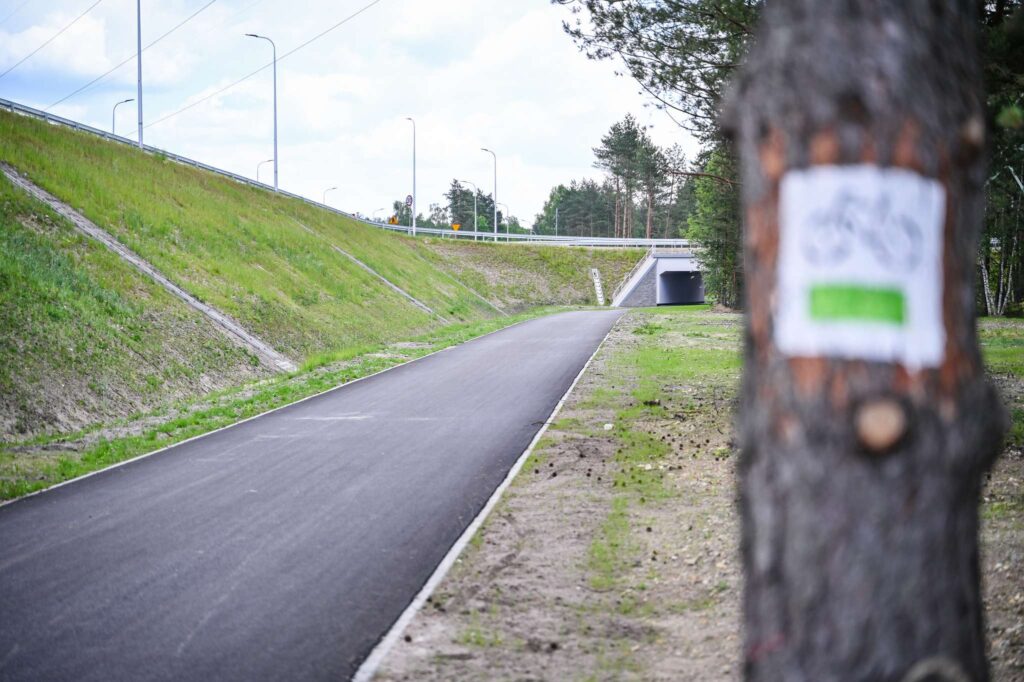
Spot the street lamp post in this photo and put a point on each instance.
(556, 221)
(495, 190)
(329, 189)
(138, 58)
(113, 115)
(475, 191)
(376, 211)
(409, 118)
(260, 165)
(274, 48)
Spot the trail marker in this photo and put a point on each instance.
(860, 265)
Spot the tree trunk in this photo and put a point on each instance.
(650, 211)
(618, 204)
(986, 287)
(627, 209)
(864, 439)
(671, 207)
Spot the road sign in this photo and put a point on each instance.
(408, 201)
(456, 226)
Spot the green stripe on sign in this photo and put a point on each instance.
(832, 302)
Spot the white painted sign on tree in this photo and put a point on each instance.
(860, 265)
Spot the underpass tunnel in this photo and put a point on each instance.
(680, 288)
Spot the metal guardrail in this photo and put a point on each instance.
(17, 108)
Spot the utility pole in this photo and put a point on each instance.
(867, 421)
(138, 59)
(273, 47)
(556, 221)
(495, 191)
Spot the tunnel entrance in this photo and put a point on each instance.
(680, 288)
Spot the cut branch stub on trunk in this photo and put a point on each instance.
(867, 419)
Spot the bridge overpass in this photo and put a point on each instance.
(665, 276)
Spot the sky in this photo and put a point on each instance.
(499, 74)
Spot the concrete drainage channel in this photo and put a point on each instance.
(397, 289)
(267, 355)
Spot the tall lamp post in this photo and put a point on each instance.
(138, 58)
(409, 118)
(475, 191)
(113, 115)
(274, 48)
(495, 190)
(260, 165)
(376, 211)
(329, 189)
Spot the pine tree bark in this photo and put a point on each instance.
(618, 204)
(650, 212)
(859, 480)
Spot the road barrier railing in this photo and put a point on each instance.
(505, 238)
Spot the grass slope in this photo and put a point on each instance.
(268, 260)
(84, 336)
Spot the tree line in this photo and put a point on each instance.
(640, 196)
(457, 209)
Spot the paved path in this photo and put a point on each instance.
(282, 548)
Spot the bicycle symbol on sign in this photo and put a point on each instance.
(893, 238)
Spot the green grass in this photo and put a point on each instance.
(477, 636)
(612, 550)
(1003, 509)
(1002, 345)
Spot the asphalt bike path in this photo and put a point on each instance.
(282, 548)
